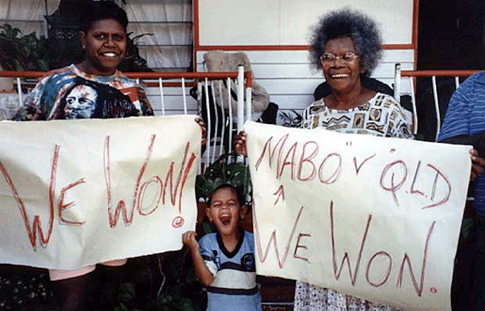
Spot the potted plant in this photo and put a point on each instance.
(23, 52)
(290, 118)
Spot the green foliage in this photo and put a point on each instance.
(181, 291)
(29, 53)
(291, 118)
(20, 53)
(173, 299)
(224, 171)
(126, 298)
(161, 282)
(133, 62)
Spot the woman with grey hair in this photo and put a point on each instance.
(346, 46)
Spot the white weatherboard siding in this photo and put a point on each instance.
(290, 81)
(286, 74)
(287, 22)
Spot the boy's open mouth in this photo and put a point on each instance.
(225, 219)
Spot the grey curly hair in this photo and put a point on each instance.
(348, 23)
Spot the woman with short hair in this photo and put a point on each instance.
(346, 46)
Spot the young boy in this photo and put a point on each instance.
(224, 261)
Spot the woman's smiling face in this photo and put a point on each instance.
(105, 46)
(342, 75)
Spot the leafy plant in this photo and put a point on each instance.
(12, 54)
(126, 297)
(180, 290)
(160, 282)
(291, 118)
(133, 62)
(27, 52)
(224, 171)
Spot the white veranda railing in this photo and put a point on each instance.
(170, 93)
(405, 84)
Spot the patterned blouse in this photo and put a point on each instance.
(380, 116)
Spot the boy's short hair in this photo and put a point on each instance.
(227, 186)
(100, 10)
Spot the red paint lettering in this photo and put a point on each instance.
(280, 193)
(333, 174)
(394, 187)
(267, 146)
(407, 260)
(37, 223)
(121, 206)
(181, 179)
(289, 155)
(447, 194)
(257, 239)
(413, 191)
(307, 159)
(358, 167)
(62, 206)
(156, 199)
(298, 245)
(386, 276)
(337, 272)
(141, 188)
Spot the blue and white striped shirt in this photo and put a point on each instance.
(234, 287)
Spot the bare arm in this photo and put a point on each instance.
(478, 165)
(478, 142)
(201, 271)
(203, 127)
(240, 143)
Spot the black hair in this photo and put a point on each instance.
(348, 23)
(100, 10)
(227, 186)
(110, 102)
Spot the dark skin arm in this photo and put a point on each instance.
(240, 143)
(478, 165)
(478, 143)
(201, 271)
(203, 127)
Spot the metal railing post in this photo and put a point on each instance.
(240, 98)
(397, 82)
(436, 106)
(231, 118)
(207, 106)
(162, 101)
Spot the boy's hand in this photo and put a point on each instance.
(202, 273)
(188, 238)
(203, 127)
(240, 144)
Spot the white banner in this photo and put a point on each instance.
(75, 193)
(377, 218)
